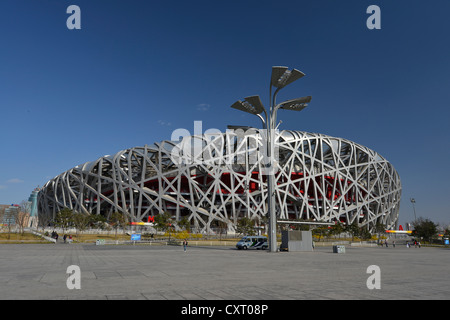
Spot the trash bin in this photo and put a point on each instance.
(338, 249)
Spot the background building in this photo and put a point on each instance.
(10, 215)
(33, 220)
(216, 179)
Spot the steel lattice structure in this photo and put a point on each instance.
(222, 177)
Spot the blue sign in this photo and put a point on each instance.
(446, 241)
(136, 237)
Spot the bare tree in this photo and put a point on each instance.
(43, 220)
(2, 212)
(23, 215)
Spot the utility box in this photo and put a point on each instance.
(338, 249)
(296, 240)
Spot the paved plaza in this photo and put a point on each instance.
(39, 271)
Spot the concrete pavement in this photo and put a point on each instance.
(39, 271)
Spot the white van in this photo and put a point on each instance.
(253, 242)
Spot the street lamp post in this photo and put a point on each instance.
(413, 201)
(280, 78)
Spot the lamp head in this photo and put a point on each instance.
(281, 76)
(250, 104)
(295, 104)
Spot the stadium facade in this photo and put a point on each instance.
(215, 179)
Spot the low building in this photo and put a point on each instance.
(10, 215)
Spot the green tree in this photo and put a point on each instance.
(337, 229)
(97, 221)
(380, 229)
(162, 221)
(320, 231)
(425, 228)
(64, 219)
(353, 229)
(447, 231)
(185, 224)
(246, 226)
(80, 222)
(365, 234)
(118, 220)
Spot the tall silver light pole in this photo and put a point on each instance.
(413, 201)
(280, 78)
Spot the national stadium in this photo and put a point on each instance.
(218, 178)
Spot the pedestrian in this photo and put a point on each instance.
(393, 244)
(65, 237)
(185, 243)
(386, 243)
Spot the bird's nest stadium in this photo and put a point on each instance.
(317, 177)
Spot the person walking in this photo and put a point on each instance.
(185, 243)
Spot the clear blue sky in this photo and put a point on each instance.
(138, 70)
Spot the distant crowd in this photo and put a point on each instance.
(408, 244)
(66, 238)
